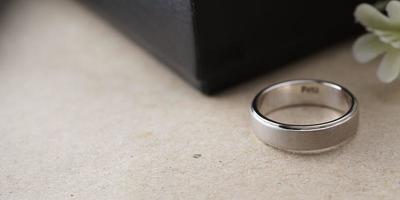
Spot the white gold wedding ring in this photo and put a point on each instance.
(312, 138)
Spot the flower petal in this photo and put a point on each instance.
(371, 18)
(391, 38)
(368, 47)
(390, 66)
(393, 10)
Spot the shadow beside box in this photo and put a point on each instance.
(214, 44)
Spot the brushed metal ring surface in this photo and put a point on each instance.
(313, 138)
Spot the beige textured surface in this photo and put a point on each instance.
(86, 114)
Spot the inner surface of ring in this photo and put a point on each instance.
(304, 93)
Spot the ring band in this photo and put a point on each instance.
(311, 138)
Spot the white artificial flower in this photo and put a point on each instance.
(383, 39)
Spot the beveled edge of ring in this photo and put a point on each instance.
(353, 110)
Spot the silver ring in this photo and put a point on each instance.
(313, 138)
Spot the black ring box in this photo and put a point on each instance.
(214, 44)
